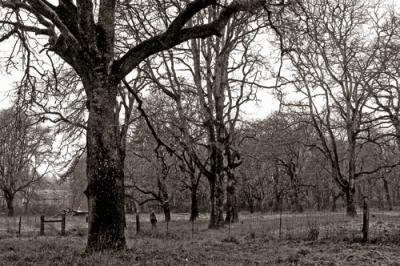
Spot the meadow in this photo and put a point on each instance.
(258, 239)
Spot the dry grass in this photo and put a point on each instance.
(153, 251)
(306, 239)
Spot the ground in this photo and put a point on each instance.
(151, 251)
(254, 241)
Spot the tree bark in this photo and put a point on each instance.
(105, 169)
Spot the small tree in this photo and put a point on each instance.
(24, 147)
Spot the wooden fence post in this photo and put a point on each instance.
(19, 226)
(63, 224)
(280, 219)
(42, 225)
(365, 227)
(137, 223)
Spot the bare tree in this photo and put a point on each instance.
(24, 148)
(217, 79)
(84, 36)
(332, 61)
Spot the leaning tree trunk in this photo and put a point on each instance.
(105, 169)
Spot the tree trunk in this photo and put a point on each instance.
(277, 201)
(251, 204)
(387, 194)
(379, 195)
(217, 202)
(105, 169)
(163, 190)
(194, 212)
(334, 200)
(136, 208)
(351, 210)
(9, 197)
(232, 212)
(167, 211)
(297, 203)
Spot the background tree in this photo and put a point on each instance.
(332, 62)
(25, 149)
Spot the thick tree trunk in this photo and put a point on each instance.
(105, 170)
(217, 203)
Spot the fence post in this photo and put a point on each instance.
(137, 223)
(280, 220)
(229, 229)
(167, 230)
(41, 225)
(19, 226)
(365, 227)
(192, 227)
(63, 224)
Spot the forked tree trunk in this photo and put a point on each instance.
(105, 170)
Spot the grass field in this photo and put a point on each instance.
(304, 239)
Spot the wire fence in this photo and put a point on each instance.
(384, 225)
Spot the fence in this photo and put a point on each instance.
(310, 225)
(43, 221)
